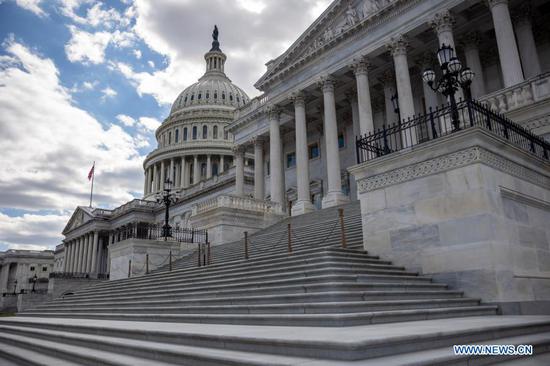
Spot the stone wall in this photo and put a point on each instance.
(470, 210)
(59, 287)
(31, 300)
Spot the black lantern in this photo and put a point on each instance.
(34, 279)
(167, 198)
(453, 76)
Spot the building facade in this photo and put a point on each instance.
(18, 269)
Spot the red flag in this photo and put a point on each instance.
(91, 173)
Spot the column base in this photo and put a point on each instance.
(334, 199)
(302, 207)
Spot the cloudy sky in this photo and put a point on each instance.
(88, 80)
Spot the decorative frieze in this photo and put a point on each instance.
(451, 161)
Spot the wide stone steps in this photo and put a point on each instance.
(419, 343)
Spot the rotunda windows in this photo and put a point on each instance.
(199, 96)
(207, 94)
(185, 134)
(194, 132)
(215, 95)
(223, 95)
(215, 132)
(205, 132)
(177, 137)
(230, 97)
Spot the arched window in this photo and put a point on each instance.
(204, 132)
(223, 95)
(192, 96)
(185, 100)
(177, 135)
(215, 132)
(207, 94)
(185, 134)
(194, 132)
(215, 95)
(169, 137)
(200, 95)
(231, 97)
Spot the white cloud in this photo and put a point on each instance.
(108, 92)
(137, 53)
(87, 47)
(149, 123)
(32, 5)
(126, 120)
(151, 63)
(30, 231)
(107, 18)
(90, 85)
(60, 141)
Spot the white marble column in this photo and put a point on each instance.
(277, 182)
(221, 168)
(303, 203)
(162, 175)
(366, 121)
(94, 252)
(155, 178)
(526, 42)
(86, 252)
(238, 153)
(74, 245)
(470, 44)
(387, 79)
(145, 181)
(398, 49)
(183, 172)
(510, 63)
(80, 247)
(171, 172)
(259, 181)
(72, 254)
(196, 169)
(100, 254)
(208, 166)
(65, 262)
(90, 254)
(334, 195)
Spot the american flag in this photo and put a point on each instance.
(91, 173)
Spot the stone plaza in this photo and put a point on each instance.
(359, 211)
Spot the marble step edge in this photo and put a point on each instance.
(311, 320)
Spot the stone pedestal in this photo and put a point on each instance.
(227, 217)
(470, 210)
(136, 250)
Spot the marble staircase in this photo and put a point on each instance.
(319, 305)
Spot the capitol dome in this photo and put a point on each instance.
(214, 88)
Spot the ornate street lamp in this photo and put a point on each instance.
(395, 104)
(453, 77)
(167, 198)
(34, 279)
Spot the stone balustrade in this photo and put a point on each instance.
(519, 95)
(133, 204)
(251, 106)
(235, 202)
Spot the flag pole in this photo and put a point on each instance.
(92, 190)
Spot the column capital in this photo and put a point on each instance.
(273, 112)
(492, 3)
(360, 66)
(298, 98)
(470, 40)
(442, 21)
(238, 150)
(397, 45)
(326, 82)
(258, 141)
(387, 78)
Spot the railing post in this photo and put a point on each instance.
(357, 138)
(385, 134)
(289, 238)
(170, 259)
(198, 254)
(147, 263)
(470, 114)
(246, 245)
(488, 120)
(341, 216)
(209, 258)
(432, 124)
(129, 268)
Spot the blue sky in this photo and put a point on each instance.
(88, 80)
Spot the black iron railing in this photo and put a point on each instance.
(148, 231)
(79, 275)
(443, 121)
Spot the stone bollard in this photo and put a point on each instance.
(129, 268)
(147, 263)
(341, 216)
(246, 245)
(289, 238)
(170, 259)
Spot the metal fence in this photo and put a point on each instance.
(443, 121)
(157, 232)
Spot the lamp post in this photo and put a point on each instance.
(453, 76)
(167, 198)
(34, 279)
(14, 287)
(395, 104)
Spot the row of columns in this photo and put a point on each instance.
(81, 254)
(181, 177)
(362, 107)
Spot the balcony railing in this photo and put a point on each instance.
(235, 202)
(439, 122)
(148, 231)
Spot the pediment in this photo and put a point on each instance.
(336, 22)
(79, 217)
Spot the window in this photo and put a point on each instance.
(341, 141)
(203, 170)
(200, 96)
(32, 268)
(177, 135)
(223, 95)
(215, 95)
(192, 96)
(207, 94)
(291, 160)
(215, 132)
(44, 269)
(231, 97)
(169, 137)
(204, 132)
(185, 100)
(313, 151)
(185, 134)
(194, 132)
(267, 167)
